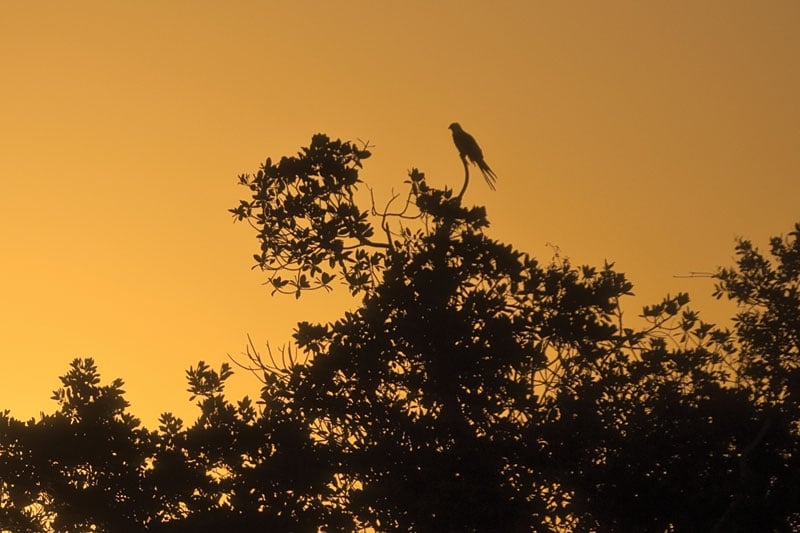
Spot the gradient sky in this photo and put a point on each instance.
(650, 134)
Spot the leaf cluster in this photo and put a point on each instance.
(308, 223)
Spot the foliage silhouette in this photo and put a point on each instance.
(767, 291)
(305, 214)
(472, 389)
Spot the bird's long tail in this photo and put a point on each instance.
(488, 174)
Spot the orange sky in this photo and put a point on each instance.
(646, 133)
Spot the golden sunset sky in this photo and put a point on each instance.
(649, 134)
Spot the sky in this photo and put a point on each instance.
(648, 134)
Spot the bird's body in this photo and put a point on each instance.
(468, 149)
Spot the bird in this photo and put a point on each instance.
(468, 149)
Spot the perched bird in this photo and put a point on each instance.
(469, 149)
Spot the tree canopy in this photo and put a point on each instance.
(474, 388)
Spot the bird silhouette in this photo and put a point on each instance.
(468, 149)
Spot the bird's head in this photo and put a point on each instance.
(455, 126)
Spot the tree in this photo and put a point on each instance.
(473, 388)
(91, 467)
(77, 468)
(476, 389)
(646, 437)
(432, 397)
(767, 292)
(422, 423)
(237, 468)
